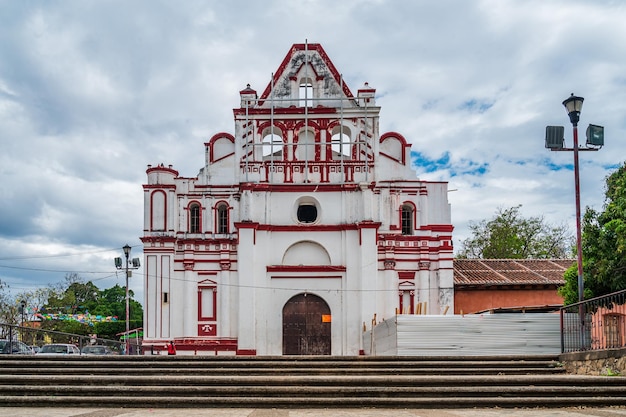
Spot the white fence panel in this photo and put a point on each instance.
(469, 335)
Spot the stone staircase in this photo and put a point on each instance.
(300, 382)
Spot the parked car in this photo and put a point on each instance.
(59, 349)
(96, 350)
(35, 348)
(14, 347)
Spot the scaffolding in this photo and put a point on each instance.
(336, 145)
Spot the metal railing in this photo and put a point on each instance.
(595, 324)
(35, 337)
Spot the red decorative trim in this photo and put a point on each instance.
(246, 352)
(306, 277)
(152, 225)
(157, 239)
(305, 268)
(403, 142)
(438, 228)
(216, 217)
(308, 227)
(308, 47)
(285, 111)
(213, 316)
(200, 210)
(207, 329)
(247, 225)
(162, 168)
(413, 215)
(211, 143)
(411, 301)
(403, 275)
(289, 188)
(159, 186)
(366, 224)
(213, 344)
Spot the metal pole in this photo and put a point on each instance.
(579, 246)
(127, 340)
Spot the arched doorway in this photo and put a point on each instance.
(306, 326)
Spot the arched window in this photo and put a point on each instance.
(408, 214)
(272, 147)
(306, 149)
(340, 141)
(194, 218)
(305, 98)
(222, 219)
(158, 211)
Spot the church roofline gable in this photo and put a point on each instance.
(284, 66)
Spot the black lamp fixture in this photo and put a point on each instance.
(126, 250)
(574, 105)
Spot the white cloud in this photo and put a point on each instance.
(92, 92)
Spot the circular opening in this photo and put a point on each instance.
(307, 213)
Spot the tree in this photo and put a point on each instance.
(603, 244)
(75, 296)
(509, 235)
(8, 308)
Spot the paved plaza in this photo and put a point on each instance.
(363, 412)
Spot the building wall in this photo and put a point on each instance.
(468, 301)
(360, 254)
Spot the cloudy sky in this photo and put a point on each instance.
(91, 92)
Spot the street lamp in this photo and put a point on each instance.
(574, 105)
(22, 310)
(595, 141)
(127, 269)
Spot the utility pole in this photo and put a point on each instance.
(127, 270)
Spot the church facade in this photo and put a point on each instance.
(303, 227)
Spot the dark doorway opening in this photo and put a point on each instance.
(306, 326)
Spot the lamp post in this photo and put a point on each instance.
(574, 105)
(126, 250)
(22, 310)
(127, 268)
(595, 140)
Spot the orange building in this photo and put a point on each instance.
(499, 284)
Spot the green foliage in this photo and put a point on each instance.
(603, 244)
(509, 235)
(78, 297)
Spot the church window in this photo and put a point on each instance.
(340, 140)
(222, 218)
(307, 213)
(407, 219)
(406, 301)
(194, 218)
(207, 303)
(158, 211)
(272, 146)
(306, 93)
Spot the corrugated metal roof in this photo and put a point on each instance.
(485, 272)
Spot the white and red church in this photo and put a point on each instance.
(301, 227)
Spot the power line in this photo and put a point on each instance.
(63, 255)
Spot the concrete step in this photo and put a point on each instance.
(178, 381)
(437, 402)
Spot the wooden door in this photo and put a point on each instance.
(306, 326)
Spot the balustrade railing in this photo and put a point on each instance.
(594, 324)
